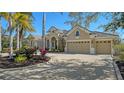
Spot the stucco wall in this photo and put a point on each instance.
(83, 35)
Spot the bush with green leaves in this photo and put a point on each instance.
(28, 52)
(121, 56)
(20, 58)
(119, 51)
(119, 48)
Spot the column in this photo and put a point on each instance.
(50, 44)
(65, 50)
(57, 43)
(92, 47)
(112, 50)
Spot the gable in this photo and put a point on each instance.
(83, 34)
(52, 29)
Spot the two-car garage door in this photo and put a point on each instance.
(79, 47)
(83, 47)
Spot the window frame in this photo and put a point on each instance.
(78, 33)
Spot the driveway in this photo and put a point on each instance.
(65, 67)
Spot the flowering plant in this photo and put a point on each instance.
(43, 52)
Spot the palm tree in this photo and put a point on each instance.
(30, 38)
(23, 23)
(10, 29)
(9, 17)
(25, 26)
(5, 16)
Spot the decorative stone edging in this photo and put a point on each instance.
(117, 71)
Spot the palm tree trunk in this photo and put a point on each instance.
(43, 31)
(11, 39)
(17, 46)
(20, 42)
(0, 37)
(31, 43)
(11, 46)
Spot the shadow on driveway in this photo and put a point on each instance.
(62, 71)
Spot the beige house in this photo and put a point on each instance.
(78, 40)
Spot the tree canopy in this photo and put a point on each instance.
(115, 19)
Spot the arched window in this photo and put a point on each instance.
(77, 33)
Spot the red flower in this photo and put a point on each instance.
(43, 51)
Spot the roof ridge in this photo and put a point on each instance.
(104, 33)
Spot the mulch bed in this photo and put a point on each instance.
(7, 63)
(121, 67)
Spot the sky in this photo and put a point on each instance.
(52, 19)
(57, 19)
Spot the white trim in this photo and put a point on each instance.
(78, 40)
(111, 48)
(102, 39)
(90, 44)
(77, 37)
(78, 32)
(90, 48)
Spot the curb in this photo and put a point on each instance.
(117, 72)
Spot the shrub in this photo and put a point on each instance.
(121, 56)
(20, 58)
(28, 52)
(20, 51)
(43, 52)
(119, 48)
(5, 50)
(25, 47)
(52, 49)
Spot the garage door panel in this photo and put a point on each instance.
(103, 47)
(78, 47)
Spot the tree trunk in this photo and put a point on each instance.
(11, 39)
(20, 42)
(0, 37)
(17, 46)
(43, 30)
(11, 46)
(31, 43)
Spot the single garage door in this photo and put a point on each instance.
(103, 47)
(79, 47)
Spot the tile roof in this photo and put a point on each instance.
(65, 32)
(102, 34)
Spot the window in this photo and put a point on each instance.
(77, 33)
(109, 41)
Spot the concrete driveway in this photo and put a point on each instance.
(66, 67)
